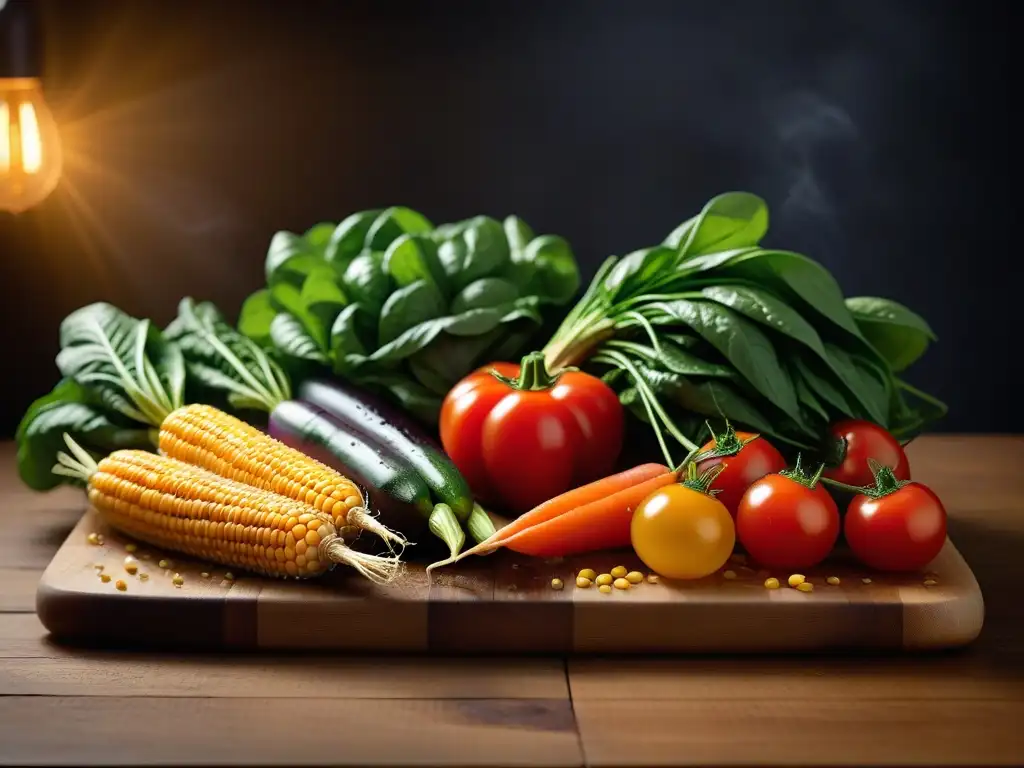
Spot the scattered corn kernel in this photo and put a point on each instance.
(177, 580)
(619, 571)
(143, 577)
(634, 577)
(604, 580)
(229, 576)
(930, 582)
(796, 580)
(131, 565)
(556, 584)
(729, 574)
(588, 574)
(833, 580)
(805, 586)
(104, 577)
(121, 585)
(205, 575)
(583, 582)
(866, 580)
(131, 547)
(604, 589)
(652, 578)
(771, 583)
(164, 563)
(95, 539)
(621, 584)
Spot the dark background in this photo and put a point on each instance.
(879, 132)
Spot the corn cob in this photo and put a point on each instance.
(174, 505)
(214, 440)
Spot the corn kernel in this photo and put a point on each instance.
(94, 539)
(129, 548)
(583, 582)
(205, 575)
(604, 589)
(164, 564)
(177, 580)
(604, 580)
(652, 578)
(104, 577)
(634, 577)
(229, 576)
(618, 571)
(621, 584)
(556, 584)
(771, 583)
(143, 577)
(120, 585)
(866, 580)
(796, 580)
(805, 586)
(833, 580)
(930, 582)
(729, 575)
(588, 574)
(131, 565)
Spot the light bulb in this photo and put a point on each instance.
(30, 151)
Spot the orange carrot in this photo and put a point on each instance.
(598, 490)
(601, 524)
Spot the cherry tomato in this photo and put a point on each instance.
(901, 530)
(744, 457)
(682, 533)
(530, 437)
(856, 442)
(787, 521)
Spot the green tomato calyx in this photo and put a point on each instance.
(702, 482)
(533, 375)
(726, 443)
(800, 474)
(885, 483)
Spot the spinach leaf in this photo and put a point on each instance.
(818, 377)
(807, 397)
(345, 338)
(766, 308)
(414, 257)
(553, 273)
(289, 259)
(125, 361)
(348, 238)
(220, 358)
(257, 313)
(412, 396)
(483, 293)
(638, 269)
(731, 220)
(318, 237)
(673, 358)
(868, 391)
(743, 344)
(441, 365)
(807, 279)
(407, 308)
(900, 335)
(293, 340)
(321, 296)
(518, 234)
(366, 282)
(479, 250)
(287, 298)
(392, 223)
(69, 408)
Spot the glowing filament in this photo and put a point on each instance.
(31, 141)
(5, 137)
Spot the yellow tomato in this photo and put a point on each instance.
(682, 533)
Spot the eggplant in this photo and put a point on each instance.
(388, 427)
(391, 486)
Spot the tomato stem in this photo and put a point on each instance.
(885, 483)
(726, 443)
(533, 375)
(800, 474)
(702, 483)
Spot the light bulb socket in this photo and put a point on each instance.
(21, 40)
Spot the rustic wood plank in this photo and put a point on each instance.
(18, 589)
(23, 636)
(202, 731)
(100, 673)
(971, 473)
(708, 732)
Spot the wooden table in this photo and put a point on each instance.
(61, 705)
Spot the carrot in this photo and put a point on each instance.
(601, 524)
(604, 488)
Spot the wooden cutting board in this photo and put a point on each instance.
(501, 603)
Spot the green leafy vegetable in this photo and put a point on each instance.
(710, 324)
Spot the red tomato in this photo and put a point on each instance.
(787, 521)
(745, 457)
(857, 441)
(531, 437)
(901, 530)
